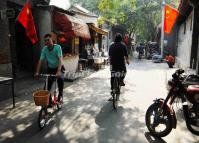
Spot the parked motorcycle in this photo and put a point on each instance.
(160, 116)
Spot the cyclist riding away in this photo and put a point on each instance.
(118, 56)
(52, 53)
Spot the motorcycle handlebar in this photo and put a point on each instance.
(180, 71)
(177, 74)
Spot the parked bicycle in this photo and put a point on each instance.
(42, 97)
(116, 88)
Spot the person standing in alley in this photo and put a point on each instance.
(170, 60)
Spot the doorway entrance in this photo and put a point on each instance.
(20, 45)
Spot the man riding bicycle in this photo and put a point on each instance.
(52, 53)
(118, 58)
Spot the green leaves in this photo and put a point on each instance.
(140, 17)
(116, 10)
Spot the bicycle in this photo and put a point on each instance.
(116, 88)
(41, 98)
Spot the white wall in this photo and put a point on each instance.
(184, 44)
(87, 19)
(71, 64)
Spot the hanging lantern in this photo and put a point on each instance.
(62, 40)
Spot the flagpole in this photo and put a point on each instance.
(162, 29)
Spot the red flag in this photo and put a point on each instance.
(170, 15)
(26, 19)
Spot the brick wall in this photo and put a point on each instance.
(5, 38)
(4, 44)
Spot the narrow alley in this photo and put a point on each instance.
(88, 117)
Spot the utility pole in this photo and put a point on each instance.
(162, 29)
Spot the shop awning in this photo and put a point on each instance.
(71, 26)
(98, 30)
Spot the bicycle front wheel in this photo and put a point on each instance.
(115, 93)
(42, 118)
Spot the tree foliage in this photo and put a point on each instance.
(139, 17)
(117, 10)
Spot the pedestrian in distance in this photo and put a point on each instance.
(170, 60)
(140, 50)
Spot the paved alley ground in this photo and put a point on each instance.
(88, 117)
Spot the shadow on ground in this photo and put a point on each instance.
(121, 125)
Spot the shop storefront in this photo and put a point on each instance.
(71, 35)
(97, 56)
(67, 30)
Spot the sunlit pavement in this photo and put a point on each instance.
(88, 117)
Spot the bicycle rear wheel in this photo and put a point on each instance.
(114, 101)
(42, 118)
(115, 93)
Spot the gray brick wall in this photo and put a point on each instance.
(4, 44)
(5, 50)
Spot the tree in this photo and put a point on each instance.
(120, 13)
(139, 17)
(116, 10)
(148, 14)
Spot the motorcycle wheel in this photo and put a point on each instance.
(193, 128)
(159, 123)
(192, 125)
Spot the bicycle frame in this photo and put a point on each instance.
(116, 88)
(44, 115)
(53, 95)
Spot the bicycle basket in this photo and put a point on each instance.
(41, 97)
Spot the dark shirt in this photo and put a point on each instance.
(117, 52)
(141, 48)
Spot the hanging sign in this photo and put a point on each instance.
(76, 40)
(7, 13)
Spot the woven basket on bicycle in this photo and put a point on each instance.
(41, 97)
